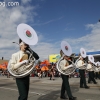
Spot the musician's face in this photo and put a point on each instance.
(66, 57)
(89, 62)
(23, 47)
(81, 58)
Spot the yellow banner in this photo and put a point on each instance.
(54, 58)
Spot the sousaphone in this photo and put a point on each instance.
(28, 35)
(66, 50)
(97, 63)
(82, 54)
(91, 59)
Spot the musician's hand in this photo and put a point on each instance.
(84, 64)
(24, 61)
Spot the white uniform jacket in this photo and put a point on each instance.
(15, 59)
(63, 64)
(89, 67)
(80, 63)
(97, 69)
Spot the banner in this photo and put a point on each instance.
(54, 58)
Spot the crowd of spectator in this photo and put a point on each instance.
(51, 73)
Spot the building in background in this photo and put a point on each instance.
(3, 61)
(96, 55)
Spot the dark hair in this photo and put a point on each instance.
(20, 41)
(61, 53)
(79, 54)
(25, 43)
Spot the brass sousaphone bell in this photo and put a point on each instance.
(91, 58)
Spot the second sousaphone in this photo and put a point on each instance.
(66, 50)
(83, 55)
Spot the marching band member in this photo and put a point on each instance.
(91, 73)
(97, 73)
(39, 72)
(17, 60)
(52, 73)
(82, 73)
(97, 69)
(65, 83)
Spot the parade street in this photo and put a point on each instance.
(45, 89)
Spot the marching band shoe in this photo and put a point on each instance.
(95, 83)
(73, 98)
(87, 87)
(63, 97)
(90, 82)
(81, 87)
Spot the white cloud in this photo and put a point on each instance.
(15, 16)
(9, 19)
(90, 42)
(50, 21)
(45, 49)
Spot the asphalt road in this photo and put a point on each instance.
(45, 89)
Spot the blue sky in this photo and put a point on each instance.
(75, 21)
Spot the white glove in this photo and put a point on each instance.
(84, 64)
(20, 63)
(24, 62)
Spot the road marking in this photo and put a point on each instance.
(17, 90)
(91, 86)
